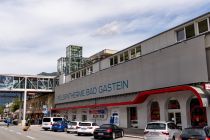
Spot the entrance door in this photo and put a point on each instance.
(174, 112)
(132, 117)
(197, 113)
(176, 118)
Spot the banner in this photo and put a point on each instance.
(6, 82)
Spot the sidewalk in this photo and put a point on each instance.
(134, 133)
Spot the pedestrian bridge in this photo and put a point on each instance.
(29, 83)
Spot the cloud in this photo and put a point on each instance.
(34, 33)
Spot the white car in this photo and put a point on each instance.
(73, 126)
(161, 130)
(86, 128)
(47, 122)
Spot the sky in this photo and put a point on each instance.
(35, 33)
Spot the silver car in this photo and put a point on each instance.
(161, 130)
(73, 126)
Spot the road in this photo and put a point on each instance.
(36, 133)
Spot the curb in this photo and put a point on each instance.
(134, 136)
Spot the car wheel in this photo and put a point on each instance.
(67, 132)
(113, 135)
(122, 134)
(173, 138)
(95, 137)
(78, 134)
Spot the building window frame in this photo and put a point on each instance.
(138, 53)
(206, 23)
(133, 53)
(111, 61)
(184, 34)
(115, 59)
(190, 32)
(126, 55)
(121, 58)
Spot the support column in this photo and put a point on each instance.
(24, 103)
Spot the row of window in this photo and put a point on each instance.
(125, 56)
(190, 30)
(82, 73)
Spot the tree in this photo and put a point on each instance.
(1, 110)
(16, 105)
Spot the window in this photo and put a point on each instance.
(203, 26)
(180, 35)
(111, 61)
(121, 57)
(115, 60)
(73, 76)
(126, 56)
(171, 126)
(190, 31)
(84, 72)
(78, 74)
(133, 53)
(155, 111)
(138, 51)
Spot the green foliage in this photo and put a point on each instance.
(16, 105)
(1, 109)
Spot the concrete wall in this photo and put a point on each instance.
(183, 63)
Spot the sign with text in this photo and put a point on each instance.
(96, 90)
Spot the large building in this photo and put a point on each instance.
(165, 77)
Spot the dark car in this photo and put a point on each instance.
(196, 133)
(60, 126)
(108, 131)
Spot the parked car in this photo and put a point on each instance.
(161, 130)
(196, 133)
(86, 128)
(108, 131)
(60, 126)
(47, 122)
(73, 126)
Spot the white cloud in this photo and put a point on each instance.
(35, 33)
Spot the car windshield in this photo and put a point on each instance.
(193, 132)
(73, 123)
(158, 126)
(46, 119)
(85, 124)
(105, 126)
(57, 119)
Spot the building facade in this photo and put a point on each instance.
(165, 77)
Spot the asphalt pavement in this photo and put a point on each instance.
(36, 133)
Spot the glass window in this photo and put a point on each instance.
(171, 126)
(111, 61)
(115, 60)
(173, 104)
(138, 51)
(203, 26)
(190, 31)
(46, 119)
(126, 56)
(155, 111)
(158, 126)
(180, 35)
(85, 124)
(133, 53)
(73, 76)
(78, 74)
(121, 57)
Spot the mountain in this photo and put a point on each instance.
(48, 74)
